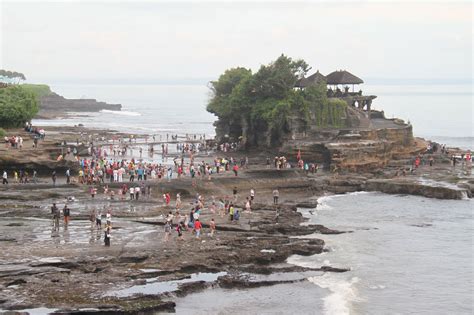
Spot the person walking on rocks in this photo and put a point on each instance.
(68, 176)
(53, 177)
(197, 228)
(180, 228)
(107, 235)
(276, 195)
(234, 192)
(231, 212)
(67, 216)
(167, 231)
(55, 213)
(5, 178)
(248, 208)
(212, 226)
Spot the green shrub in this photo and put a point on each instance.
(2, 133)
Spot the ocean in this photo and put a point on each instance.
(439, 112)
(413, 256)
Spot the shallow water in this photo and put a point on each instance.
(154, 286)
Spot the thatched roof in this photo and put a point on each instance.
(313, 79)
(342, 77)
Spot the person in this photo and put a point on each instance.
(67, 215)
(55, 213)
(236, 214)
(132, 193)
(235, 168)
(5, 178)
(181, 226)
(231, 212)
(167, 231)
(68, 176)
(234, 192)
(169, 218)
(93, 191)
(178, 200)
(108, 217)
(212, 226)
(137, 192)
(53, 176)
(98, 220)
(197, 228)
(252, 194)
(247, 205)
(107, 235)
(276, 195)
(35, 174)
(92, 217)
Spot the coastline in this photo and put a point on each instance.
(138, 261)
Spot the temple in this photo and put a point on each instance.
(338, 84)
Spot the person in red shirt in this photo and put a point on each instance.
(197, 228)
(235, 169)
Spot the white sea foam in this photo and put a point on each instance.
(342, 293)
(120, 112)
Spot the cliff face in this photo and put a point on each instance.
(54, 105)
(357, 150)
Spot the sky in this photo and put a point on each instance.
(182, 41)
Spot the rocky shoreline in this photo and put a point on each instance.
(53, 106)
(72, 272)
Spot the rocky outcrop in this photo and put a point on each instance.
(400, 186)
(53, 105)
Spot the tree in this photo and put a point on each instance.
(17, 106)
(260, 105)
(13, 75)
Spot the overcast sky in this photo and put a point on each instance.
(54, 41)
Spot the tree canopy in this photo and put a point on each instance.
(251, 104)
(17, 106)
(12, 75)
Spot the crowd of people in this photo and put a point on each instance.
(177, 220)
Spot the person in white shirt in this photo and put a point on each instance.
(5, 178)
(132, 193)
(137, 192)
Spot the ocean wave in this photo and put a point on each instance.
(120, 112)
(342, 293)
